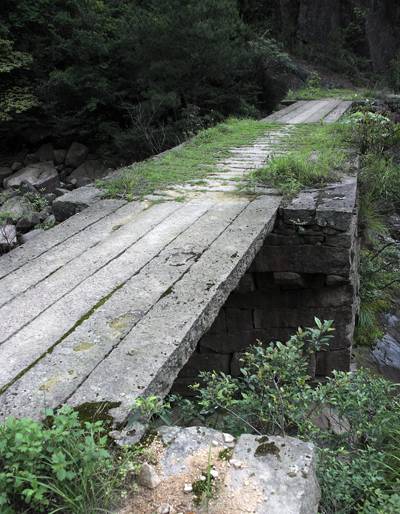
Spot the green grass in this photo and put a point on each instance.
(317, 93)
(314, 155)
(190, 162)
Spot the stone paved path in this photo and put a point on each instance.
(110, 304)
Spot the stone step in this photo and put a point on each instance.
(148, 360)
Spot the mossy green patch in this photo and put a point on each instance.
(193, 161)
(267, 449)
(120, 323)
(318, 93)
(84, 346)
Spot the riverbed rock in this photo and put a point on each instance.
(387, 355)
(16, 166)
(91, 170)
(75, 201)
(276, 474)
(76, 155)
(18, 207)
(59, 156)
(4, 173)
(45, 153)
(41, 175)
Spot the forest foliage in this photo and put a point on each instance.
(136, 76)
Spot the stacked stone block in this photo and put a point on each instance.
(307, 267)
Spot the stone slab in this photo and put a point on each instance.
(313, 111)
(286, 110)
(329, 106)
(338, 112)
(75, 201)
(148, 360)
(51, 238)
(59, 373)
(55, 323)
(337, 204)
(38, 270)
(27, 306)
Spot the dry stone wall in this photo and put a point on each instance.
(308, 266)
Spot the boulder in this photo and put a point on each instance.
(30, 158)
(76, 155)
(22, 212)
(75, 201)
(4, 173)
(91, 170)
(31, 235)
(59, 156)
(45, 153)
(387, 355)
(8, 237)
(17, 206)
(16, 166)
(60, 191)
(42, 175)
(273, 475)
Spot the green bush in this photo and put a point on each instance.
(358, 456)
(372, 132)
(58, 467)
(380, 182)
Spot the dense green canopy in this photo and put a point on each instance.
(134, 75)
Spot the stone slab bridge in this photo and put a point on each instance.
(130, 299)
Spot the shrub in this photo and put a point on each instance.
(272, 395)
(379, 279)
(358, 456)
(372, 132)
(59, 467)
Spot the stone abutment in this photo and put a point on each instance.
(307, 267)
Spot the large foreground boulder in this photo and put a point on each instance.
(41, 175)
(258, 475)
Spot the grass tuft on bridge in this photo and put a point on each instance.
(192, 161)
(313, 155)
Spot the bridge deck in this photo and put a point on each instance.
(110, 304)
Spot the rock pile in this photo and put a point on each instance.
(31, 185)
